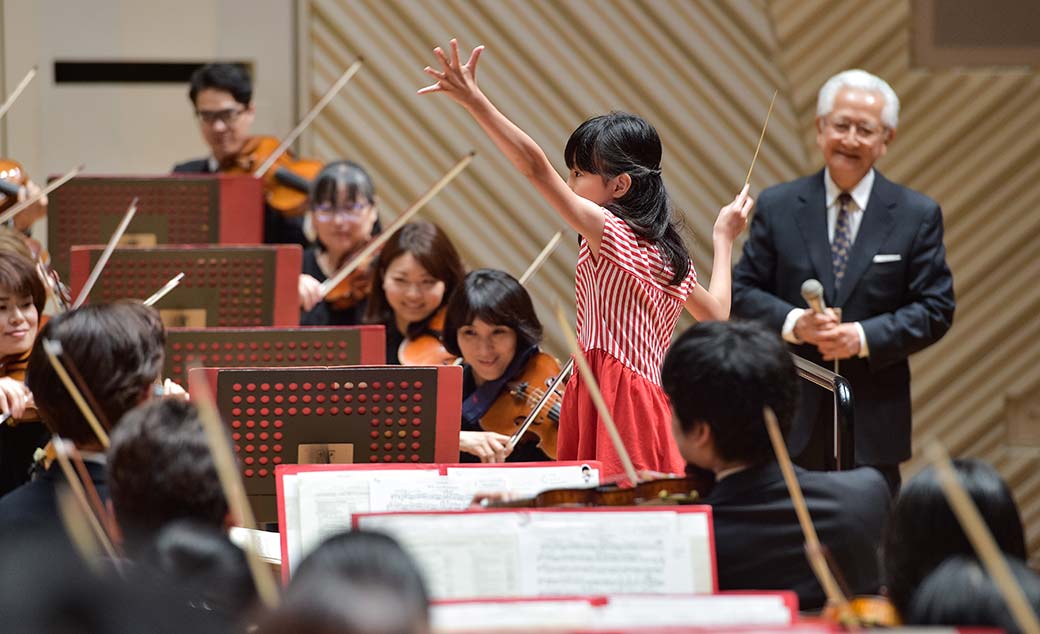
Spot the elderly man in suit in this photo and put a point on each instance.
(877, 248)
(718, 377)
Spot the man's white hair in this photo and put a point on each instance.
(862, 80)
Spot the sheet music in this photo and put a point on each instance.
(604, 553)
(520, 616)
(436, 494)
(479, 558)
(525, 481)
(329, 498)
(695, 527)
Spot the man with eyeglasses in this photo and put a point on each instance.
(222, 95)
(877, 248)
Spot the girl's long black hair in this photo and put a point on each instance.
(622, 143)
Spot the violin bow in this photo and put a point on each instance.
(310, 116)
(32, 200)
(564, 374)
(17, 92)
(231, 482)
(540, 259)
(597, 397)
(813, 548)
(165, 290)
(378, 241)
(747, 181)
(53, 350)
(95, 273)
(982, 539)
(80, 507)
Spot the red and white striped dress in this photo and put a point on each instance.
(627, 311)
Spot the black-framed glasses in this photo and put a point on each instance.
(226, 116)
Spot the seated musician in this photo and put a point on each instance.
(222, 95)
(719, 376)
(118, 349)
(415, 274)
(492, 325)
(22, 298)
(359, 582)
(341, 221)
(923, 531)
(160, 469)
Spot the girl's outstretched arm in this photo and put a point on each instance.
(713, 304)
(458, 81)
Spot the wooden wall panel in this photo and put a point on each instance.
(703, 73)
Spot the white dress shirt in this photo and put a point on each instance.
(860, 197)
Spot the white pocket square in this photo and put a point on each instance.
(890, 257)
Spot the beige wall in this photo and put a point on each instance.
(703, 72)
(134, 128)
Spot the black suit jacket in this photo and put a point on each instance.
(904, 304)
(35, 503)
(758, 541)
(278, 228)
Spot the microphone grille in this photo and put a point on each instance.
(811, 289)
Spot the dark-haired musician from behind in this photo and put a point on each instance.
(118, 348)
(718, 377)
(222, 95)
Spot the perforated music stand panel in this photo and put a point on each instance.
(386, 414)
(272, 347)
(176, 209)
(254, 285)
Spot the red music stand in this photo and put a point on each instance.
(176, 209)
(254, 285)
(272, 348)
(380, 414)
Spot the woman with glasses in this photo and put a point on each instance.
(341, 220)
(415, 274)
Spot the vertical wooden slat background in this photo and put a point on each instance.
(703, 73)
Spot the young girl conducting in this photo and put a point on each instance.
(415, 274)
(341, 220)
(634, 275)
(492, 325)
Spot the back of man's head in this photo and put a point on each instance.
(722, 374)
(117, 348)
(160, 469)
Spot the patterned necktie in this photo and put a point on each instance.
(842, 243)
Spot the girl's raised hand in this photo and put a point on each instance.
(456, 79)
(733, 218)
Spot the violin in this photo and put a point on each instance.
(426, 349)
(355, 287)
(287, 183)
(15, 368)
(515, 403)
(690, 489)
(13, 181)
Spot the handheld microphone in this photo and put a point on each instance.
(812, 293)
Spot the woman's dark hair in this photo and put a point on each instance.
(342, 176)
(922, 530)
(160, 469)
(722, 373)
(232, 78)
(19, 276)
(431, 247)
(118, 348)
(622, 143)
(960, 592)
(355, 583)
(494, 297)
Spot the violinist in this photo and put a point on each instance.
(16, 186)
(492, 325)
(222, 95)
(415, 274)
(341, 220)
(718, 377)
(22, 297)
(118, 350)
